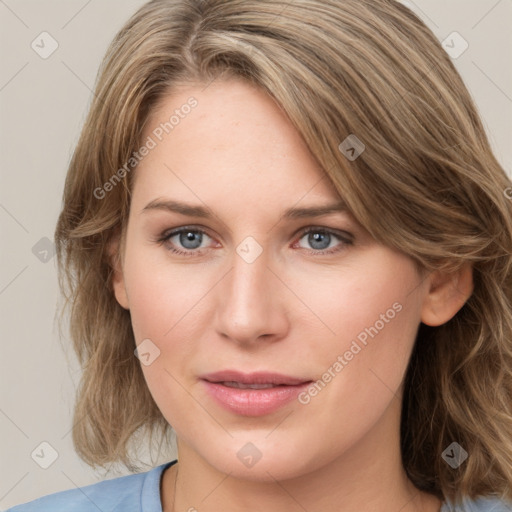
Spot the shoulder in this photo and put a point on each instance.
(122, 494)
(482, 504)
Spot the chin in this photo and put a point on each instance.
(263, 460)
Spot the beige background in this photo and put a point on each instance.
(42, 106)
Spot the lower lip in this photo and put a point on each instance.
(253, 402)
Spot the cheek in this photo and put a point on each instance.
(372, 299)
(375, 322)
(163, 309)
(162, 296)
(372, 314)
(167, 307)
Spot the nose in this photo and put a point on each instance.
(250, 303)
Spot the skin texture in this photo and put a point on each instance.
(293, 310)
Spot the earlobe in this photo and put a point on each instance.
(447, 294)
(118, 282)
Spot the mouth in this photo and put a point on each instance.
(240, 385)
(252, 394)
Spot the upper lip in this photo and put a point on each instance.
(253, 378)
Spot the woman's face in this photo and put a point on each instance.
(262, 287)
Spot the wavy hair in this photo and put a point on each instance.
(426, 184)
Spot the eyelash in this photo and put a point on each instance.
(345, 239)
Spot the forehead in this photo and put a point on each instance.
(234, 144)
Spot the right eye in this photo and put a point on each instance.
(185, 241)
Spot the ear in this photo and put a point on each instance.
(115, 248)
(447, 294)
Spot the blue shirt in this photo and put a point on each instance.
(141, 493)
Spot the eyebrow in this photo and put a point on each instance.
(200, 211)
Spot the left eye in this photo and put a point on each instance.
(321, 240)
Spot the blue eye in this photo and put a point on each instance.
(188, 241)
(185, 238)
(319, 240)
(322, 241)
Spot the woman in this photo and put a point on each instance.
(291, 212)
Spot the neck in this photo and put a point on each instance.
(367, 477)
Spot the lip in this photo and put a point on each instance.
(253, 402)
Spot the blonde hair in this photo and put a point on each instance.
(426, 184)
